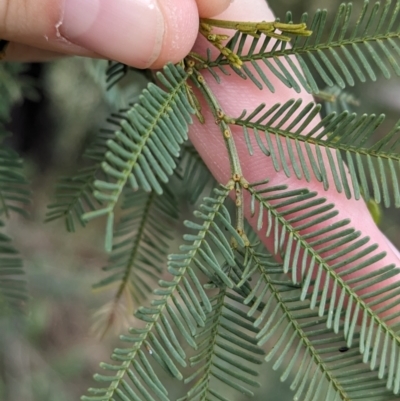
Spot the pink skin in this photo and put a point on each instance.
(234, 95)
(141, 33)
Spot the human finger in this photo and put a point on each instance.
(235, 95)
(19, 52)
(208, 9)
(140, 33)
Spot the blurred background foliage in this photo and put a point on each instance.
(52, 353)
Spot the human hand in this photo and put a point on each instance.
(235, 95)
(141, 33)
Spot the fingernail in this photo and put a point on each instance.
(130, 31)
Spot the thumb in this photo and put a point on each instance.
(140, 33)
(135, 32)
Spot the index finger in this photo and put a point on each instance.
(235, 95)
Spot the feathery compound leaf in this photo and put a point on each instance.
(115, 72)
(141, 242)
(337, 55)
(314, 356)
(206, 259)
(144, 147)
(336, 100)
(273, 29)
(323, 150)
(13, 292)
(14, 86)
(314, 303)
(322, 257)
(226, 351)
(181, 305)
(14, 191)
(195, 175)
(73, 198)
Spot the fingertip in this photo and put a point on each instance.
(181, 19)
(140, 33)
(208, 9)
(246, 10)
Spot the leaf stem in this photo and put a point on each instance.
(235, 183)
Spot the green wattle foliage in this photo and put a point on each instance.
(225, 296)
(212, 307)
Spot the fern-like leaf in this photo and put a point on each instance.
(194, 174)
(316, 258)
(143, 150)
(316, 359)
(14, 191)
(337, 55)
(141, 243)
(319, 151)
(183, 300)
(73, 198)
(336, 100)
(227, 351)
(13, 292)
(115, 72)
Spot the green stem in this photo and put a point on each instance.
(219, 117)
(236, 170)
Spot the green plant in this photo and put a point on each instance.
(225, 295)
